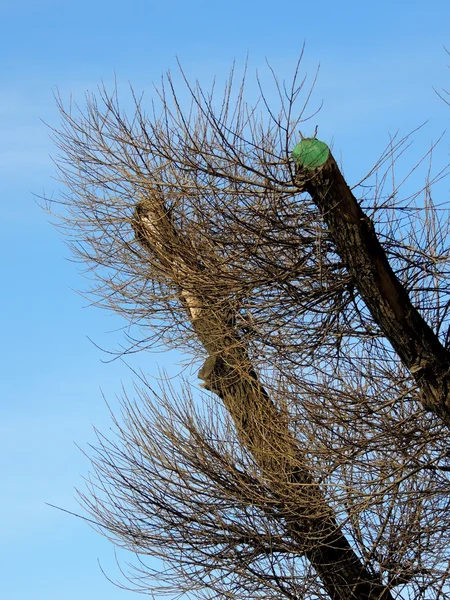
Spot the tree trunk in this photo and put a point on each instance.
(260, 425)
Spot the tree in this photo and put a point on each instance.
(315, 463)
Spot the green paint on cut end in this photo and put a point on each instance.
(310, 153)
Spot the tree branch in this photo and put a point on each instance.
(388, 301)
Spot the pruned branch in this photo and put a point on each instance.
(387, 299)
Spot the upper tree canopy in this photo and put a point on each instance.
(318, 465)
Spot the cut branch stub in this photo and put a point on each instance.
(310, 153)
(356, 242)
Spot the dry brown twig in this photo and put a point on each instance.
(318, 474)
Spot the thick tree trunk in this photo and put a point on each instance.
(263, 431)
(356, 242)
(260, 425)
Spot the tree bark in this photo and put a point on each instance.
(260, 425)
(356, 242)
(264, 433)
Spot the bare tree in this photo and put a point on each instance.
(315, 464)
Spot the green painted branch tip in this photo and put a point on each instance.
(310, 153)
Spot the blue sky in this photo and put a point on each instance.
(379, 63)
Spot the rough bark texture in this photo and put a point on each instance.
(261, 426)
(267, 437)
(356, 241)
